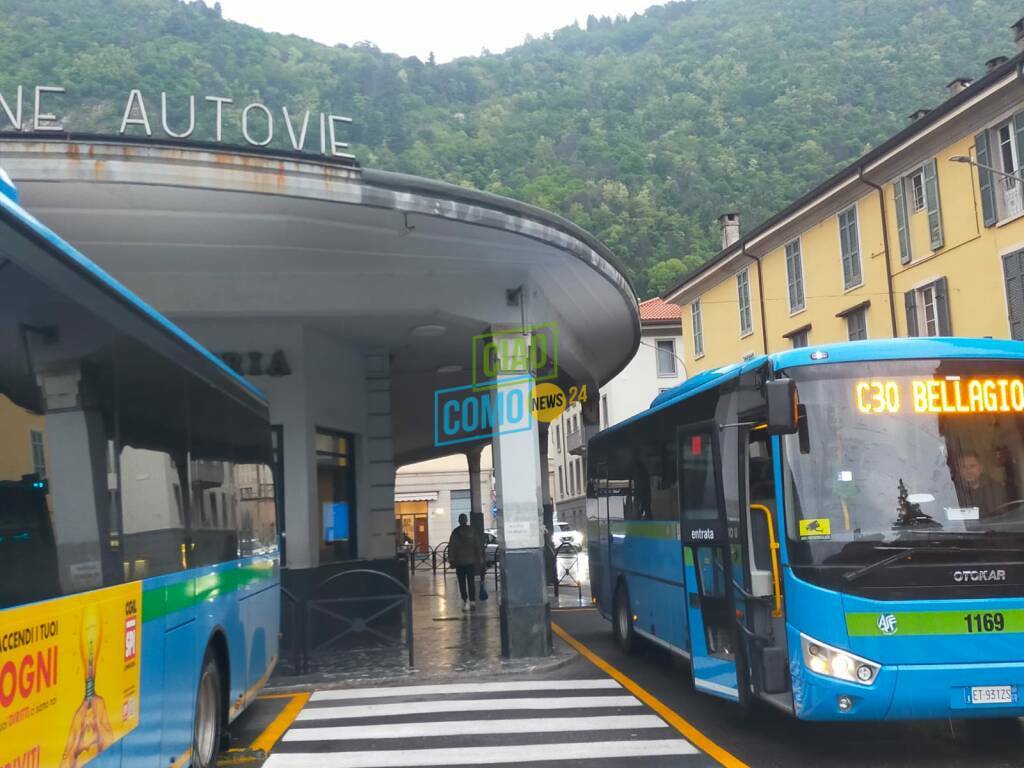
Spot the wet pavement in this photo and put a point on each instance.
(447, 640)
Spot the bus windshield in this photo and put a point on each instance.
(905, 453)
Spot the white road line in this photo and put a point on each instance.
(483, 755)
(511, 685)
(476, 727)
(467, 705)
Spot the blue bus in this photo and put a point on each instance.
(836, 531)
(139, 586)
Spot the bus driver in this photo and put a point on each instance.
(977, 489)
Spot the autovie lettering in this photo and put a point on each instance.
(967, 576)
(177, 118)
(68, 668)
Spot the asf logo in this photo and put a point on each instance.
(887, 624)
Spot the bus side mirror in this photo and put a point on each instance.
(783, 414)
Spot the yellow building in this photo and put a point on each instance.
(924, 236)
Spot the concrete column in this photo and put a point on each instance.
(476, 512)
(525, 613)
(380, 459)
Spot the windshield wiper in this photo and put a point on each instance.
(852, 576)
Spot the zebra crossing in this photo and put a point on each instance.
(560, 723)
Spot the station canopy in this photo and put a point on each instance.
(388, 261)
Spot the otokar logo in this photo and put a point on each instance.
(995, 574)
(887, 624)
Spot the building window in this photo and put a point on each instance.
(604, 411)
(1013, 201)
(698, 329)
(799, 339)
(849, 244)
(916, 180)
(666, 357)
(558, 438)
(928, 310)
(38, 454)
(743, 294)
(336, 488)
(795, 276)
(857, 324)
(579, 478)
(561, 483)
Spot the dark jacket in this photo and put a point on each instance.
(464, 547)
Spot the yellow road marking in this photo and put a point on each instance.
(263, 696)
(688, 730)
(273, 732)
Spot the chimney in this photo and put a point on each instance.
(1018, 33)
(917, 114)
(958, 84)
(995, 63)
(730, 226)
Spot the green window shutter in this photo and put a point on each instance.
(1018, 131)
(988, 190)
(931, 196)
(910, 301)
(942, 307)
(900, 194)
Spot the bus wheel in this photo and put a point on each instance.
(208, 720)
(623, 623)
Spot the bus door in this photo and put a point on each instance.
(709, 540)
(599, 542)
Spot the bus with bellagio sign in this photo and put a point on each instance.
(836, 531)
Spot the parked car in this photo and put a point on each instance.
(490, 547)
(564, 534)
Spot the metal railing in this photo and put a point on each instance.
(319, 624)
(567, 565)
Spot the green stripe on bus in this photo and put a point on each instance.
(646, 529)
(160, 601)
(932, 623)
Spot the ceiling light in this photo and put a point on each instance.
(428, 330)
(450, 369)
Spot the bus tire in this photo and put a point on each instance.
(622, 623)
(208, 725)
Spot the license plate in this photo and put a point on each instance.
(993, 694)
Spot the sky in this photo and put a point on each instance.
(449, 28)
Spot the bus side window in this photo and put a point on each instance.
(153, 431)
(57, 503)
(233, 510)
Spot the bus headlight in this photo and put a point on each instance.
(832, 662)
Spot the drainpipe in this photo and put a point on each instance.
(885, 247)
(760, 296)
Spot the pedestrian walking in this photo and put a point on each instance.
(465, 553)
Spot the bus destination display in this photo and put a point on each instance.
(948, 395)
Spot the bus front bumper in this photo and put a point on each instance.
(912, 692)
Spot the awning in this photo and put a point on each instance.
(425, 496)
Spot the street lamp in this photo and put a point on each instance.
(989, 168)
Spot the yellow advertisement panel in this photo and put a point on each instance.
(69, 677)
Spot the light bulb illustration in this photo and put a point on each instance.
(90, 731)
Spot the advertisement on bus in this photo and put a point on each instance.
(69, 677)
